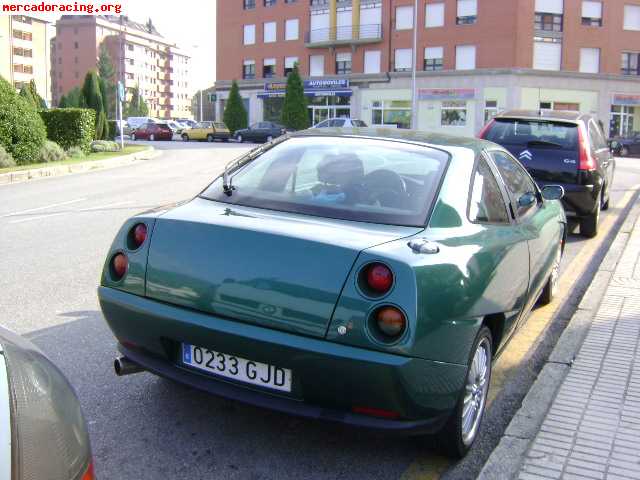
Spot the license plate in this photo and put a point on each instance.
(237, 368)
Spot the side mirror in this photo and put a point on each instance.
(527, 200)
(553, 192)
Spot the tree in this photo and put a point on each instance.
(295, 113)
(73, 99)
(39, 101)
(107, 74)
(25, 93)
(93, 100)
(136, 107)
(235, 115)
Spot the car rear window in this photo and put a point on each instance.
(220, 125)
(533, 133)
(358, 123)
(379, 181)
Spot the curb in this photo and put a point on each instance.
(506, 459)
(45, 172)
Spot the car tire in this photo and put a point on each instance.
(225, 140)
(624, 151)
(239, 138)
(152, 138)
(589, 225)
(133, 137)
(605, 204)
(211, 138)
(550, 289)
(461, 430)
(185, 137)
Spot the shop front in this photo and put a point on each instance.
(328, 98)
(450, 110)
(625, 114)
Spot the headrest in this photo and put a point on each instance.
(340, 169)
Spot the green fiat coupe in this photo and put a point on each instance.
(362, 276)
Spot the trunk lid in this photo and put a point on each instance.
(278, 270)
(549, 150)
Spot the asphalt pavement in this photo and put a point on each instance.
(54, 234)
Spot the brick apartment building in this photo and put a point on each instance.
(141, 57)
(474, 58)
(24, 52)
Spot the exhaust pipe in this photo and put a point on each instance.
(124, 366)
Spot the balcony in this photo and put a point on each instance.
(347, 35)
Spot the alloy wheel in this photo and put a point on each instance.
(239, 138)
(555, 273)
(152, 137)
(475, 391)
(269, 138)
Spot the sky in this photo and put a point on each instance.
(191, 24)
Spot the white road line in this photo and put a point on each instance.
(31, 210)
(39, 217)
(101, 207)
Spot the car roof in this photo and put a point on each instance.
(561, 115)
(433, 139)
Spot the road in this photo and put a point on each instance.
(54, 236)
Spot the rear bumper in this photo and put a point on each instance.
(328, 379)
(579, 200)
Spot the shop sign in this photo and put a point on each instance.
(334, 87)
(626, 99)
(446, 94)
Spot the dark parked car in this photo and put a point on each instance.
(260, 132)
(152, 131)
(628, 145)
(561, 148)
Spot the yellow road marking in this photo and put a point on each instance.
(432, 467)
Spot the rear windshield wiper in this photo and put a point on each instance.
(543, 143)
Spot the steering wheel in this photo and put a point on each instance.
(384, 187)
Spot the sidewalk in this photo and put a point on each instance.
(591, 428)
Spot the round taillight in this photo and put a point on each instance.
(379, 278)
(139, 234)
(120, 263)
(391, 321)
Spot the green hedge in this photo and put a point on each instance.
(22, 133)
(70, 127)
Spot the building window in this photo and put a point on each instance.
(316, 65)
(630, 63)
(632, 17)
(391, 113)
(434, 15)
(249, 4)
(372, 61)
(316, 3)
(453, 114)
(20, 35)
(465, 57)
(290, 1)
(403, 60)
(270, 32)
(490, 109)
(404, 17)
(467, 12)
(75, 45)
(269, 68)
(249, 70)
(591, 13)
(249, 34)
(343, 63)
(22, 19)
(291, 29)
(23, 52)
(269, 3)
(289, 63)
(622, 118)
(547, 54)
(548, 22)
(433, 58)
(590, 60)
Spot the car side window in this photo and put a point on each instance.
(486, 204)
(323, 124)
(597, 140)
(518, 182)
(338, 122)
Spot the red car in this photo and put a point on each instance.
(152, 131)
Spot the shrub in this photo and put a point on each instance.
(75, 153)
(6, 160)
(235, 115)
(51, 152)
(93, 100)
(294, 110)
(70, 127)
(113, 130)
(22, 132)
(104, 146)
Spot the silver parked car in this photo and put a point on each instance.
(341, 123)
(42, 430)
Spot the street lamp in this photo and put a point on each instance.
(414, 96)
(197, 47)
